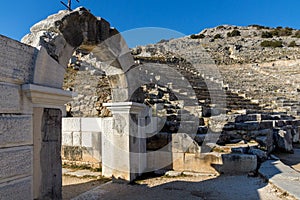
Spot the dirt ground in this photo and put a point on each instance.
(201, 187)
(74, 186)
(182, 187)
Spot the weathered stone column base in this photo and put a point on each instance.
(123, 142)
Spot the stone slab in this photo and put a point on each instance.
(77, 139)
(67, 139)
(87, 139)
(80, 173)
(237, 163)
(15, 162)
(9, 98)
(48, 76)
(282, 176)
(15, 130)
(71, 124)
(159, 160)
(91, 124)
(16, 61)
(17, 190)
(182, 142)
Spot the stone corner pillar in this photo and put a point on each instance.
(123, 142)
(48, 109)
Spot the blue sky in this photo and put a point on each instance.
(173, 18)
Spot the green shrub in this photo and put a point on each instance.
(200, 36)
(234, 33)
(193, 36)
(273, 44)
(218, 36)
(163, 41)
(259, 27)
(297, 34)
(279, 31)
(266, 34)
(292, 44)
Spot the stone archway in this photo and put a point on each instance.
(57, 37)
(61, 34)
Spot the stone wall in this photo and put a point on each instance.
(81, 141)
(16, 125)
(31, 104)
(86, 77)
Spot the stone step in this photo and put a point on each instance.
(254, 125)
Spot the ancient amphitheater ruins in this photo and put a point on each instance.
(73, 92)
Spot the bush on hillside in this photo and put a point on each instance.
(273, 44)
(297, 34)
(163, 41)
(279, 31)
(259, 27)
(234, 33)
(292, 44)
(200, 36)
(266, 34)
(218, 36)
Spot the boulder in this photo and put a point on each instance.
(261, 155)
(283, 140)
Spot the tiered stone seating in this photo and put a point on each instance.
(274, 87)
(255, 101)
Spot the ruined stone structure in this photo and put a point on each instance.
(187, 105)
(260, 100)
(245, 109)
(32, 102)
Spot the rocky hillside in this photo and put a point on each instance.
(235, 44)
(242, 82)
(257, 67)
(260, 63)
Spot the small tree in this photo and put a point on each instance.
(200, 36)
(297, 34)
(292, 44)
(234, 33)
(218, 36)
(266, 34)
(273, 44)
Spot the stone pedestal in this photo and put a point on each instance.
(123, 142)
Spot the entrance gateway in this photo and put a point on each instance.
(32, 104)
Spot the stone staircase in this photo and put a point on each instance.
(239, 103)
(275, 88)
